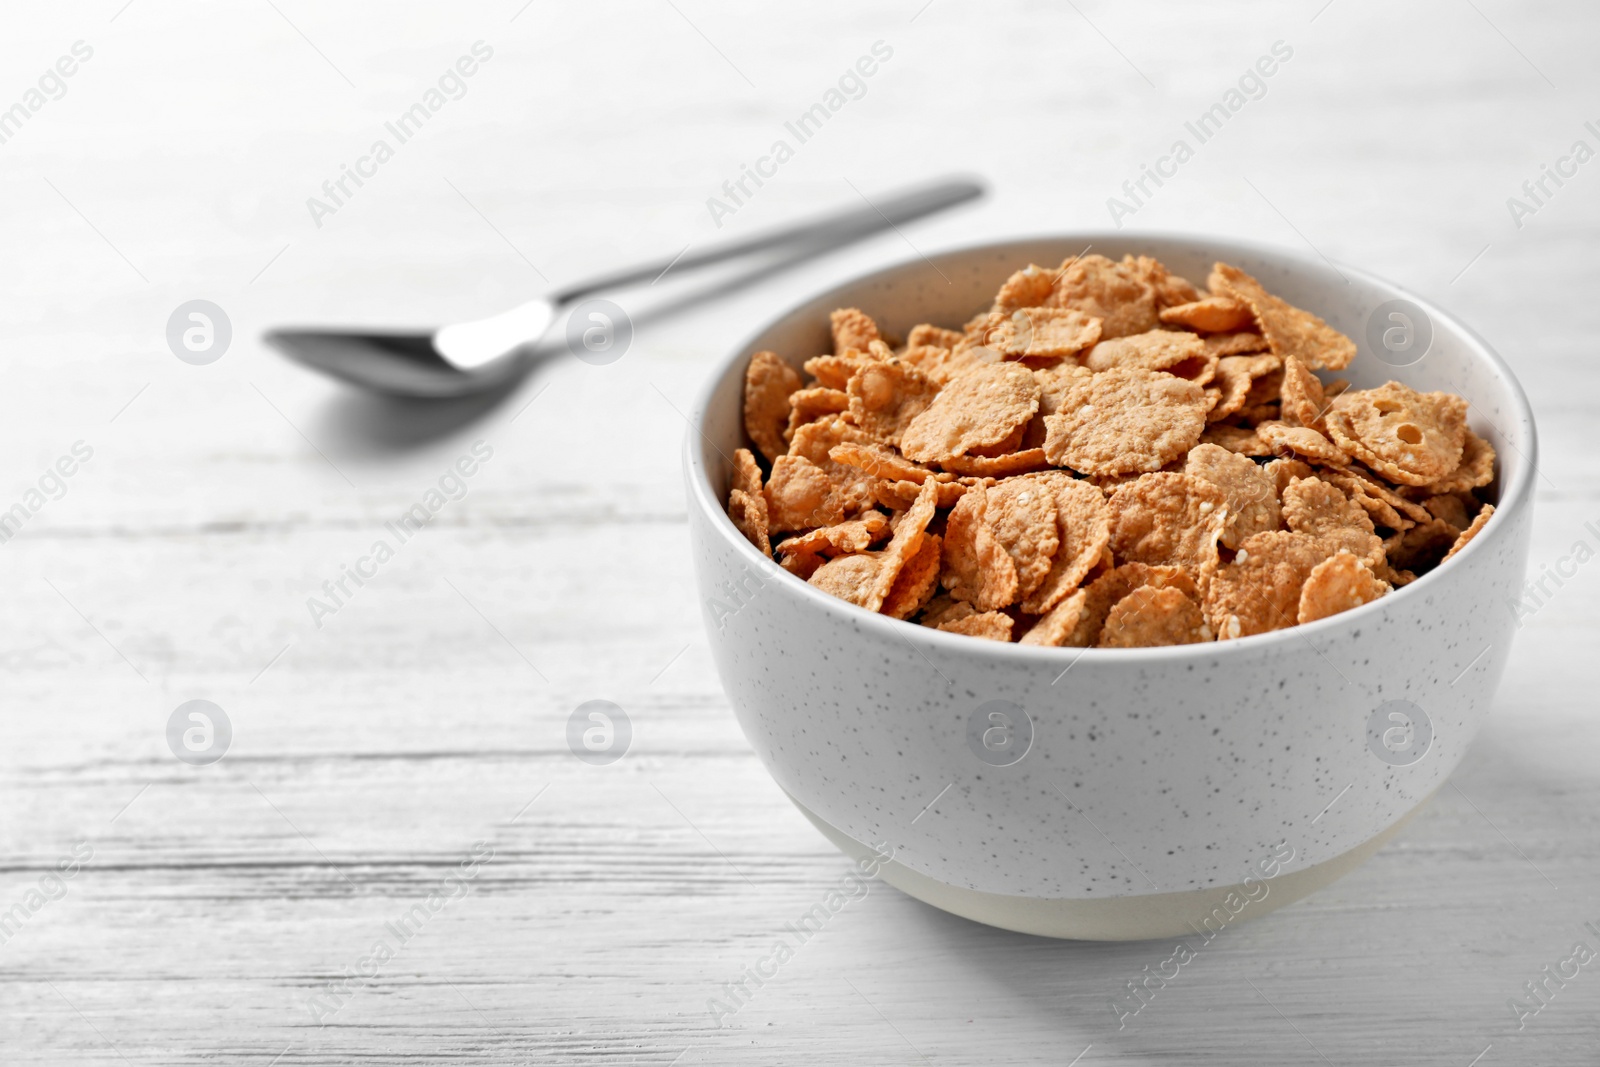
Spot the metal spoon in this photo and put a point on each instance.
(471, 357)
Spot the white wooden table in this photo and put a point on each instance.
(423, 722)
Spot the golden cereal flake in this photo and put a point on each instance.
(865, 578)
(1476, 468)
(800, 496)
(991, 625)
(803, 564)
(944, 364)
(1058, 625)
(976, 567)
(1083, 627)
(1285, 470)
(855, 535)
(849, 578)
(1395, 578)
(1022, 514)
(917, 581)
(881, 461)
(1338, 583)
(1238, 439)
(942, 608)
(1150, 617)
(1201, 370)
(1289, 330)
(852, 328)
(1472, 530)
(749, 514)
(910, 530)
(1125, 420)
(1054, 381)
(1125, 303)
(1040, 333)
(1252, 496)
(1304, 403)
(1169, 519)
(1171, 289)
(1006, 466)
(1214, 314)
(747, 503)
(834, 372)
(1012, 442)
(1409, 437)
(1241, 343)
(1235, 377)
(1083, 532)
(899, 495)
(768, 382)
(884, 398)
(809, 405)
(933, 336)
(1313, 506)
(1027, 288)
(1152, 350)
(981, 407)
(1387, 507)
(1302, 441)
(1264, 393)
(816, 441)
(746, 474)
(1259, 590)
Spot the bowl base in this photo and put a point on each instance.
(1134, 918)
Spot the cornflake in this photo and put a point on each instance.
(980, 407)
(1170, 289)
(1123, 301)
(1289, 330)
(1107, 456)
(809, 405)
(977, 567)
(1408, 437)
(1214, 314)
(1252, 497)
(1151, 616)
(884, 397)
(852, 328)
(1125, 420)
(1155, 350)
(1338, 583)
(1171, 519)
(768, 383)
(1083, 532)
(1041, 333)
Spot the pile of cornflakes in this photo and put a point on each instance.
(1108, 457)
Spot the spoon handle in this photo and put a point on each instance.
(837, 227)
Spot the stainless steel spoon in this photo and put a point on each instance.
(472, 357)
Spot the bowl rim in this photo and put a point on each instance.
(1511, 503)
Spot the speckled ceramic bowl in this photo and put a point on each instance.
(1110, 793)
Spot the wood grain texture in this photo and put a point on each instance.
(374, 753)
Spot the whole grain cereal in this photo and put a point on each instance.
(1338, 583)
(1108, 456)
(1125, 420)
(884, 397)
(977, 408)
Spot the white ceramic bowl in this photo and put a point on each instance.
(1158, 790)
